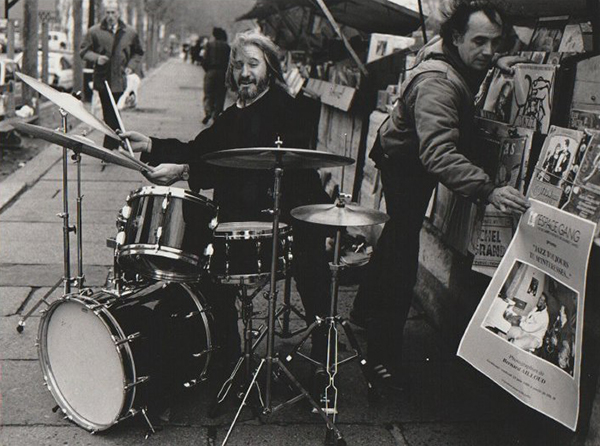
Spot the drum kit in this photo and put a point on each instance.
(108, 355)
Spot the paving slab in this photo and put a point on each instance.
(42, 243)
(18, 346)
(41, 275)
(25, 399)
(11, 299)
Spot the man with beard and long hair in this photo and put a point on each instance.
(263, 112)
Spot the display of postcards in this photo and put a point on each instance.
(554, 58)
(572, 39)
(556, 160)
(538, 57)
(548, 34)
(584, 203)
(533, 93)
(584, 119)
(499, 97)
(588, 174)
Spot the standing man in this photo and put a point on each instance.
(263, 112)
(426, 140)
(214, 62)
(115, 50)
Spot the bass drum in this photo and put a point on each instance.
(106, 357)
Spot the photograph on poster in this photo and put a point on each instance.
(537, 314)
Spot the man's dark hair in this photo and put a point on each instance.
(219, 34)
(459, 13)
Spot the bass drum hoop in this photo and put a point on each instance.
(126, 360)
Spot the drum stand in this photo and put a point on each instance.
(270, 360)
(331, 322)
(66, 280)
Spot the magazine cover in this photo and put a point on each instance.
(548, 34)
(584, 119)
(526, 334)
(556, 160)
(533, 92)
(499, 97)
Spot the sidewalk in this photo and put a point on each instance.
(448, 403)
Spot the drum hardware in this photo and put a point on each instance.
(340, 215)
(67, 281)
(277, 159)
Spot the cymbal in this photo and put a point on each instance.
(70, 104)
(80, 144)
(271, 157)
(348, 214)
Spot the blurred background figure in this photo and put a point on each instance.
(214, 62)
(116, 51)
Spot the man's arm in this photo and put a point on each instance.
(87, 49)
(437, 123)
(137, 51)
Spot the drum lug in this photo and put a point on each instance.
(204, 352)
(159, 232)
(213, 223)
(140, 380)
(128, 339)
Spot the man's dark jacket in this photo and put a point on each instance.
(243, 194)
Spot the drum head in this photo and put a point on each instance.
(81, 364)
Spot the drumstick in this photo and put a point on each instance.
(118, 115)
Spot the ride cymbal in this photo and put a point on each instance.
(339, 215)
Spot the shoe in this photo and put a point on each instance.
(384, 378)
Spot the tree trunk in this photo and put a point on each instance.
(30, 42)
(77, 40)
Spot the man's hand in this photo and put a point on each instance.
(507, 63)
(102, 60)
(139, 142)
(508, 199)
(165, 174)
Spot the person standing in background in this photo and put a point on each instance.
(115, 50)
(214, 62)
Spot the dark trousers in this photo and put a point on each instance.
(385, 294)
(214, 92)
(110, 118)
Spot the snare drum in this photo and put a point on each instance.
(164, 233)
(104, 358)
(243, 250)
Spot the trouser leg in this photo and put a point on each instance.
(110, 118)
(312, 276)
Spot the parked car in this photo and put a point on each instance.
(8, 68)
(60, 69)
(57, 41)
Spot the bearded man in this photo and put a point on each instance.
(263, 112)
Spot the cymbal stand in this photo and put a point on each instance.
(332, 321)
(269, 359)
(286, 309)
(67, 281)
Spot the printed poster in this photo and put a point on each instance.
(526, 333)
(533, 94)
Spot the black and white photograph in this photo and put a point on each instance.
(537, 314)
(269, 222)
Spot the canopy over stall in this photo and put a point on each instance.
(380, 16)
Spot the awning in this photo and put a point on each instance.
(371, 16)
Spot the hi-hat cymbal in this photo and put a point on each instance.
(271, 157)
(339, 215)
(70, 104)
(81, 145)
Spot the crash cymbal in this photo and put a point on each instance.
(349, 214)
(80, 144)
(70, 104)
(271, 157)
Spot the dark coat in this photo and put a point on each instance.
(243, 194)
(123, 48)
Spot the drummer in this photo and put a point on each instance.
(263, 113)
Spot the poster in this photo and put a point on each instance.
(558, 156)
(533, 93)
(526, 333)
(499, 97)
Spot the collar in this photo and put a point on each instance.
(119, 25)
(240, 104)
